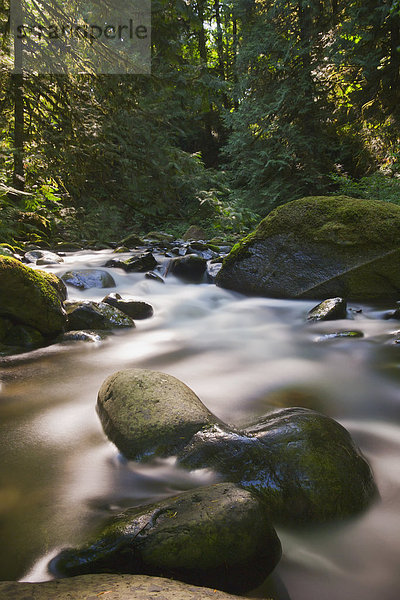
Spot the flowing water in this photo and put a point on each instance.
(59, 475)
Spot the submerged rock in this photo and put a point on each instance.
(112, 587)
(339, 334)
(87, 314)
(136, 309)
(147, 413)
(320, 247)
(154, 277)
(81, 336)
(302, 464)
(218, 536)
(31, 297)
(328, 310)
(88, 278)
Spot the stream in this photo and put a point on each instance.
(243, 356)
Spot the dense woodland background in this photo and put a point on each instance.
(250, 104)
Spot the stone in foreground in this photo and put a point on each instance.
(110, 587)
(302, 464)
(147, 413)
(219, 536)
(320, 247)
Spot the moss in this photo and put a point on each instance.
(30, 296)
(239, 250)
(340, 219)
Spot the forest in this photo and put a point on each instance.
(200, 299)
(249, 104)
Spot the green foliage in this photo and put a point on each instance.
(291, 91)
(372, 187)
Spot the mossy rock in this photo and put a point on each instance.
(131, 241)
(194, 233)
(320, 247)
(87, 314)
(218, 536)
(31, 297)
(302, 464)
(110, 586)
(147, 413)
(159, 236)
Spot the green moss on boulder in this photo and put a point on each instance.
(219, 536)
(31, 297)
(320, 246)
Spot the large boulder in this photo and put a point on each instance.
(320, 247)
(31, 297)
(302, 464)
(148, 413)
(219, 536)
(111, 587)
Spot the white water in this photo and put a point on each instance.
(60, 476)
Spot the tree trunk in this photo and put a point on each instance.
(18, 93)
(220, 44)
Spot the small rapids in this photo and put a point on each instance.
(60, 477)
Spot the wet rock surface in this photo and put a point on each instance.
(81, 336)
(136, 264)
(328, 310)
(303, 464)
(219, 536)
(42, 257)
(136, 309)
(88, 278)
(87, 314)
